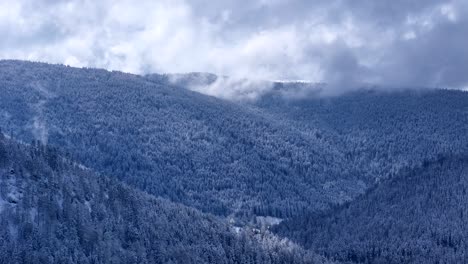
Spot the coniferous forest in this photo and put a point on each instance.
(102, 166)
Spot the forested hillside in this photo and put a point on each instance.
(419, 216)
(384, 131)
(53, 210)
(225, 157)
(381, 129)
(369, 176)
(215, 155)
(411, 146)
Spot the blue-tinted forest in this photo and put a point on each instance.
(356, 177)
(53, 210)
(419, 216)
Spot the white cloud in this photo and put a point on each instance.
(235, 89)
(338, 42)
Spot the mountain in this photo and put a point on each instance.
(278, 156)
(357, 177)
(211, 154)
(53, 210)
(419, 216)
(411, 145)
(383, 130)
(386, 127)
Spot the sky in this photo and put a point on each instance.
(419, 43)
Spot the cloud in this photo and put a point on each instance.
(237, 89)
(435, 57)
(342, 43)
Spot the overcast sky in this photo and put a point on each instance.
(394, 42)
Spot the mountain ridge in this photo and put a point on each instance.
(56, 212)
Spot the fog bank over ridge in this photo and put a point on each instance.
(249, 90)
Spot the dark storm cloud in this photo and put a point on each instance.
(343, 43)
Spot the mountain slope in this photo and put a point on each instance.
(54, 211)
(280, 155)
(419, 216)
(204, 152)
(384, 131)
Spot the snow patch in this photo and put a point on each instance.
(237, 229)
(13, 197)
(268, 221)
(88, 206)
(33, 214)
(60, 202)
(12, 194)
(5, 114)
(82, 167)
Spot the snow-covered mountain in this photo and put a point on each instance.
(274, 152)
(54, 211)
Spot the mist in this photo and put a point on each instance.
(342, 43)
